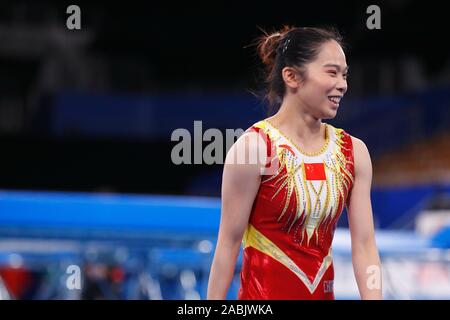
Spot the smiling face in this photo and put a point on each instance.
(325, 82)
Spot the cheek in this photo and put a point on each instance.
(327, 83)
(321, 86)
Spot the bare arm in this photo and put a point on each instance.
(240, 184)
(366, 261)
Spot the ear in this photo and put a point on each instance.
(291, 77)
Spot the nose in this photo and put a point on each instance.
(342, 85)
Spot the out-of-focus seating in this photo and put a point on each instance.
(426, 161)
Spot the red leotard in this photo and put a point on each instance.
(287, 243)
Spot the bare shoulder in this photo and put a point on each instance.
(359, 147)
(247, 156)
(252, 141)
(363, 162)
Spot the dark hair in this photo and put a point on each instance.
(291, 46)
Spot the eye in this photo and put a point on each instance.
(332, 72)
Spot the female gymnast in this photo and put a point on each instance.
(284, 209)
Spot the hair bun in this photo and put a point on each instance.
(268, 45)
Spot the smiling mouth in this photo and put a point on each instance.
(335, 100)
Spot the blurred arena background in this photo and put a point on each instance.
(87, 183)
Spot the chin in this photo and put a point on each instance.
(330, 115)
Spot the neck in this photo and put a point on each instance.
(292, 118)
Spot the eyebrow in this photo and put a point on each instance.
(336, 66)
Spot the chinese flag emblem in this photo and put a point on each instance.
(315, 171)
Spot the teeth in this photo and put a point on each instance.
(334, 99)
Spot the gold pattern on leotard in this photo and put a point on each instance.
(319, 201)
